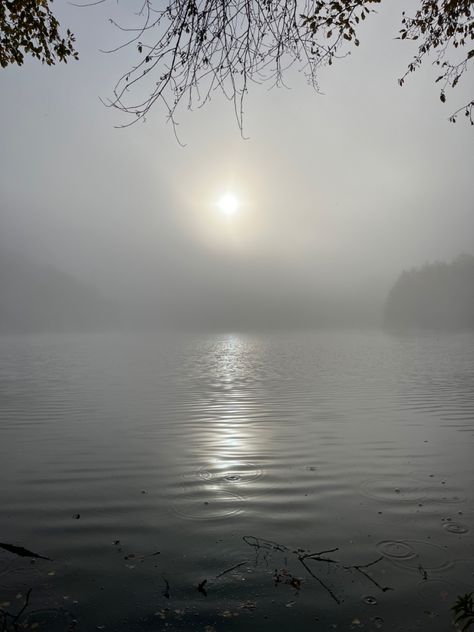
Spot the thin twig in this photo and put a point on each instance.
(318, 579)
(232, 568)
(25, 606)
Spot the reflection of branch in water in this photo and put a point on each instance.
(25, 606)
(359, 568)
(232, 568)
(201, 587)
(22, 552)
(14, 617)
(260, 543)
(325, 586)
(317, 556)
(270, 545)
(304, 557)
(166, 591)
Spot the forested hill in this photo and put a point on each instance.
(436, 296)
(42, 298)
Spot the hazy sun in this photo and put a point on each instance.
(228, 204)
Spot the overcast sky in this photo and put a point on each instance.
(344, 188)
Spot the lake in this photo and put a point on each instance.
(236, 482)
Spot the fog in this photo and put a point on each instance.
(338, 192)
(236, 371)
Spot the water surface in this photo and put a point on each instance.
(185, 483)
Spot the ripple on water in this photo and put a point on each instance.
(410, 491)
(448, 498)
(234, 472)
(15, 570)
(436, 591)
(389, 490)
(51, 619)
(207, 504)
(5, 564)
(463, 572)
(415, 554)
(456, 527)
(396, 550)
(436, 490)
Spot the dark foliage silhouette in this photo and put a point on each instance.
(436, 296)
(184, 50)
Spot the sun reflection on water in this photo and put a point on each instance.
(232, 441)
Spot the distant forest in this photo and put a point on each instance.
(436, 296)
(37, 297)
(40, 298)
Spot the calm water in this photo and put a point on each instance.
(144, 465)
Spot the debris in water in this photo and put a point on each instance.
(227, 614)
(422, 572)
(248, 605)
(201, 588)
(166, 591)
(284, 576)
(22, 552)
(431, 614)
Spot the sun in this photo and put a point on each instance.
(228, 204)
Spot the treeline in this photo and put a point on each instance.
(436, 296)
(41, 298)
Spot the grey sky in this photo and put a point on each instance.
(341, 189)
